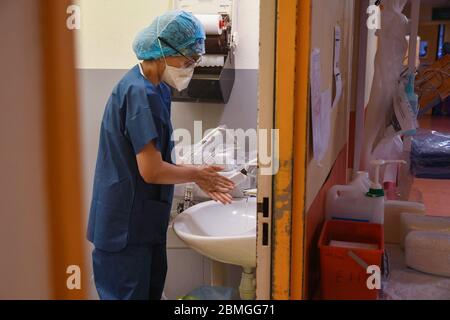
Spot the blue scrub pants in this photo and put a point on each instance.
(135, 273)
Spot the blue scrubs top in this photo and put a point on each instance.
(125, 210)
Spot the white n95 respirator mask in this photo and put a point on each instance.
(178, 78)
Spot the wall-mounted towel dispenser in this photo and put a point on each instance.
(213, 79)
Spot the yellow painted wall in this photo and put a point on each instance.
(108, 28)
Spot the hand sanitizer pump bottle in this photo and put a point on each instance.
(375, 196)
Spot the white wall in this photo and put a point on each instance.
(247, 53)
(108, 28)
(24, 247)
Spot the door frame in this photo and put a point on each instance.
(62, 150)
(283, 105)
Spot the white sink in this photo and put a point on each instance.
(225, 233)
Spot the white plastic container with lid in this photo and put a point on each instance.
(357, 201)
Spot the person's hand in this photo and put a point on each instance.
(224, 198)
(213, 184)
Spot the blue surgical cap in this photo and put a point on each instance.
(181, 29)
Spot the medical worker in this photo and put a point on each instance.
(134, 176)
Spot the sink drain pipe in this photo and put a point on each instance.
(247, 289)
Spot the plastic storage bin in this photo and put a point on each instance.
(342, 278)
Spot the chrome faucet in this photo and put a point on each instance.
(250, 193)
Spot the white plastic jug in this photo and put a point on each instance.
(361, 180)
(349, 202)
(356, 202)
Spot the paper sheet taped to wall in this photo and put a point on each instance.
(320, 109)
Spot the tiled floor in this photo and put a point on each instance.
(407, 284)
(435, 193)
